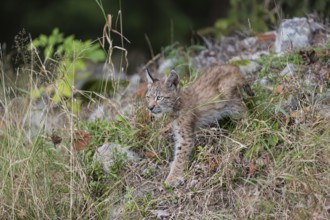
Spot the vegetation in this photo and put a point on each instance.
(274, 164)
(259, 16)
(86, 21)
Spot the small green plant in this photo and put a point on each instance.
(181, 58)
(68, 55)
(253, 17)
(120, 130)
(274, 62)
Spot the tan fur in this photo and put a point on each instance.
(215, 94)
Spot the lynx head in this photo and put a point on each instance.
(162, 95)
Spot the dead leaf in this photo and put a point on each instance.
(160, 213)
(50, 89)
(265, 157)
(151, 154)
(2, 123)
(81, 139)
(22, 214)
(266, 36)
(294, 114)
(252, 168)
(279, 89)
(56, 139)
(214, 164)
(308, 56)
(281, 118)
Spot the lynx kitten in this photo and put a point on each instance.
(215, 94)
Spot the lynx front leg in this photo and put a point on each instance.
(183, 131)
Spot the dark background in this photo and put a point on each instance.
(162, 21)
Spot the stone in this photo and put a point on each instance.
(323, 111)
(111, 152)
(266, 82)
(166, 65)
(250, 68)
(293, 34)
(288, 70)
(291, 104)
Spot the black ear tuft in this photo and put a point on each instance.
(150, 79)
(172, 80)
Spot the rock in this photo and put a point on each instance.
(35, 117)
(204, 59)
(233, 48)
(293, 34)
(291, 104)
(192, 184)
(166, 65)
(250, 67)
(160, 213)
(325, 100)
(97, 72)
(266, 82)
(323, 111)
(132, 87)
(249, 42)
(122, 103)
(288, 70)
(99, 112)
(110, 153)
(311, 78)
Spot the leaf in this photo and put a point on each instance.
(74, 105)
(97, 56)
(294, 114)
(272, 140)
(2, 123)
(81, 140)
(56, 139)
(308, 56)
(213, 164)
(64, 89)
(36, 93)
(279, 89)
(22, 214)
(252, 168)
(222, 24)
(56, 98)
(151, 154)
(266, 36)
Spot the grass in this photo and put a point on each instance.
(271, 165)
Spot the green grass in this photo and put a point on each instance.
(266, 166)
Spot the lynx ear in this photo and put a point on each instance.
(173, 80)
(150, 79)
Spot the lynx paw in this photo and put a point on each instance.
(174, 180)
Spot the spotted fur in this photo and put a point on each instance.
(215, 94)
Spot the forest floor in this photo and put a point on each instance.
(274, 164)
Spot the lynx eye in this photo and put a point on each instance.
(158, 98)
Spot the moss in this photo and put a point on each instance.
(240, 62)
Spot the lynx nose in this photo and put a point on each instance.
(151, 107)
